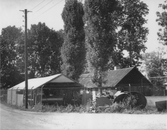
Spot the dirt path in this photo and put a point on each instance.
(16, 119)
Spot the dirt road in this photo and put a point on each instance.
(16, 119)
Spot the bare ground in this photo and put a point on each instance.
(23, 120)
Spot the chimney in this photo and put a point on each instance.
(116, 67)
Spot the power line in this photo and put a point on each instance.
(52, 7)
(27, 3)
(47, 9)
(38, 5)
(43, 6)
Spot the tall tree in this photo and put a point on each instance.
(43, 51)
(100, 20)
(154, 63)
(9, 40)
(73, 49)
(155, 66)
(162, 22)
(132, 33)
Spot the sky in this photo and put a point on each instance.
(49, 12)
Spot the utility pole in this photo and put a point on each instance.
(25, 59)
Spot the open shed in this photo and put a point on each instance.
(55, 89)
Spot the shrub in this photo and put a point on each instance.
(91, 108)
(69, 108)
(48, 108)
(110, 108)
(117, 107)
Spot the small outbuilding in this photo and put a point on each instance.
(127, 79)
(55, 89)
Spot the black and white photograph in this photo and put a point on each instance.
(83, 64)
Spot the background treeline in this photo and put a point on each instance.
(43, 53)
(96, 34)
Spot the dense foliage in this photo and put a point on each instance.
(73, 49)
(132, 32)
(44, 50)
(162, 22)
(100, 28)
(156, 64)
(43, 53)
(9, 39)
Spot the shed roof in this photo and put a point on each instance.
(113, 77)
(38, 82)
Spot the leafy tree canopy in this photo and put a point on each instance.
(132, 32)
(73, 49)
(44, 50)
(9, 39)
(156, 65)
(100, 19)
(162, 22)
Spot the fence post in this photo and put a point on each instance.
(11, 95)
(16, 97)
(24, 94)
(31, 102)
(130, 94)
(35, 96)
(41, 93)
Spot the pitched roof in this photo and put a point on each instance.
(38, 82)
(112, 78)
(115, 76)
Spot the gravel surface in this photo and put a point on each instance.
(16, 119)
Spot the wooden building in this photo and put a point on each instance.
(127, 79)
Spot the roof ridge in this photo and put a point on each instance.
(124, 68)
(46, 76)
(90, 74)
(30, 80)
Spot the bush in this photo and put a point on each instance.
(92, 108)
(111, 108)
(117, 107)
(48, 108)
